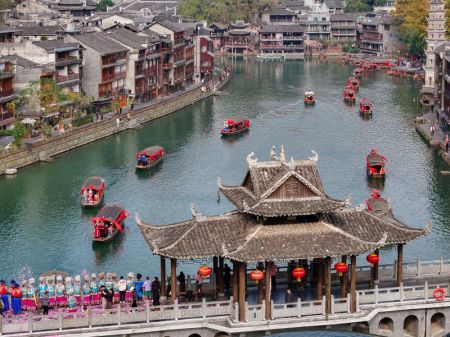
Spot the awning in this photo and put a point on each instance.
(51, 115)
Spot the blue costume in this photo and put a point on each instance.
(16, 299)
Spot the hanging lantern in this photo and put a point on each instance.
(372, 259)
(204, 271)
(256, 275)
(298, 273)
(341, 268)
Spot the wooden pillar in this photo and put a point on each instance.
(319, 279)
(260, 284)
(344, 279)
(267, 289)
(399, 264)
(235, 281)
(375, 269)
(328, 285)
(220, 276)
(353, 283)
(242, 277)
(163, 276)
(173, 280)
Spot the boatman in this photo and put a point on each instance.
(4, 295)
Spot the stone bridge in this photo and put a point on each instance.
(410, 310)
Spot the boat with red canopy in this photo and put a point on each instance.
(365, 107)
(349, 94)
(376, 204)
(231, 127)
(92, 191)
(375, 163)
(149, 157)
(357, 72)
(353, 83)
(108, 223)
(310, 97)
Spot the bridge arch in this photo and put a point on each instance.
(195, 335)
(437, 324)
(386, 324)
(221, 334)
(411, 326)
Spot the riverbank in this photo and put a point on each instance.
(45, 150)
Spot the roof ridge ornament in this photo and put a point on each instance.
(273, 154)
(383, 240)
(348, 201)
(219, 183)
(282, 155)
(314, 158)
(245, 206)
(250, 160)
(195, 214)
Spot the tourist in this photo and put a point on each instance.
(147, 287)
(103, 293)
(182, 280)
(288, 298)
(138, 284)
(109, 296)
(122, 289)
(117, 122)
(432, 130)
(4, 295)
(199, 282)
(156, 288)
(446, 143)
(227, 279)
(45, 302)
(2, 306)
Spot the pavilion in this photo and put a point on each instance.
(282, 214)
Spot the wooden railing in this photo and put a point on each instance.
(6, 92)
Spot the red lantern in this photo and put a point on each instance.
(341, 267)
(372, 259)
(298, 273)
(256, 275)
(204, 271)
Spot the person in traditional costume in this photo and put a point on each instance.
(60, 291)
(31, 296)
(87, 292)
(130, 284)
(24, 290)
(94, 289)
(42, 287)
(71, 300)
(69, 285)
(51, 290)
(5, 295)
(77, 289)
(16, 299)
(115, 287)
(108, 282)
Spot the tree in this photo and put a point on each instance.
(40, 95)
(354, 6)
(102, 5)
(18, 132)
(416, 44)
(412, 16)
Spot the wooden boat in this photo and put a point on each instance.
(230, 127)
(310, 97)
(357, 72)
(365, 107)
(375, 165)
(149, 157)
(376, 204)
(349, 94)
(353, 83)
(92, 191)
(108, 223)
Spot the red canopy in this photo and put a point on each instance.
(113, 214)
(94, 183)
(153, 152)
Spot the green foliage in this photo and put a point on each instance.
(103, 4)
(18, 132)
(222, 10)
(347, 47)
(416, 43)
(5, 4)
(447, 18)
(412, 16)
(83, 120)
(354, 6)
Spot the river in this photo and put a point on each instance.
(42, 225)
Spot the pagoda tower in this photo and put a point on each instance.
(435, 37)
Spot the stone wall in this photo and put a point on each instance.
(92, 132)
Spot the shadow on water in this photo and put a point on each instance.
(235, 138)
(146, 174)
(365, 117)
(377, 184)
(103, 250)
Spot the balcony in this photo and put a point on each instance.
(113, 77)
(68, 78)
(110, 92)
(113, 62)
(6, 93)
(151, 71)
(64, 61)
(6, 74)
(167, 65)
(139, 91)
(7, 118)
